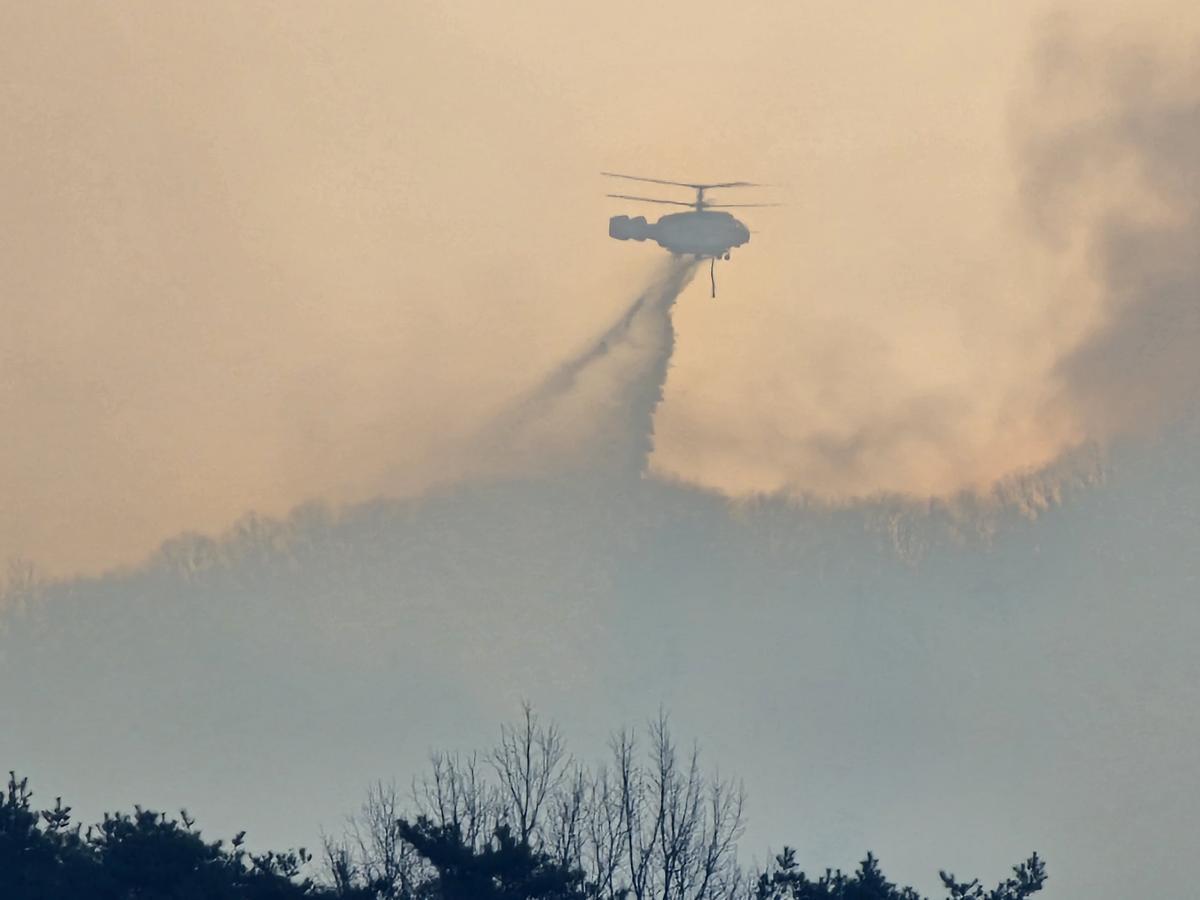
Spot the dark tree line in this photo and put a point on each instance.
(144, 854)
(525, 821)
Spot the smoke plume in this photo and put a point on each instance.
(1112, 172)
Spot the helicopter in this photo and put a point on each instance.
(700, 233)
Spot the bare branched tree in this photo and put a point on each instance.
(526, 819)
(565, 830)
(643, 827)
(680, 828)
(455, 794)
(388, 859)
(604, 836)
(530, 763)
(372, 851)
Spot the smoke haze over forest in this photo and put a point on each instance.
(246, 272)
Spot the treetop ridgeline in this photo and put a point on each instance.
(522, 821)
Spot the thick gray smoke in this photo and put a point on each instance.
(596, 411)
(1111, 153)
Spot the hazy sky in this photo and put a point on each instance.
(256, 254)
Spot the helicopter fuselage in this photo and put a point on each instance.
(701, 233)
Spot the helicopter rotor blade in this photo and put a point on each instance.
(737, 205)
(686, 184)
(650, 200)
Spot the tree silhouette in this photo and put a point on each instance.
(785, 881)
(1028, 878)
(506, 868)
(145, 855)
(41, 853)
(648, 824)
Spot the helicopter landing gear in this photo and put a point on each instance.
(712, 274)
